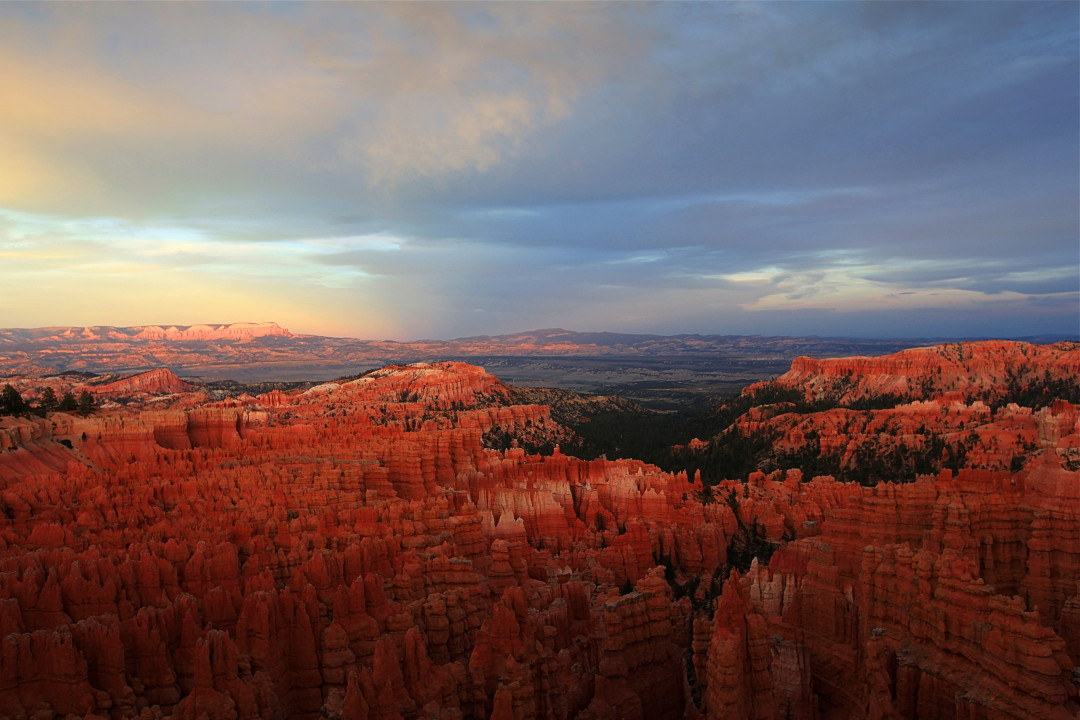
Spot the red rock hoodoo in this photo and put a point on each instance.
(362, 550)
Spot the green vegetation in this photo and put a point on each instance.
(357, 376)
(642, 434)
(48, 401)
(652, 436)
(749, 543)
(86, 403)
(872, 462)
(1038, 393)
(11, 402)
(499, 439)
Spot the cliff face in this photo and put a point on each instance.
(987, 370)
(361, 550)
(234, 331)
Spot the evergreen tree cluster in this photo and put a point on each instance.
(12, 403)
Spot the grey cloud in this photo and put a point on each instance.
(536, 159)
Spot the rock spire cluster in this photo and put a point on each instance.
(360, 550)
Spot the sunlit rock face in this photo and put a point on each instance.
(988, 370)
(362, 549)
(154, 382)
(234, 331)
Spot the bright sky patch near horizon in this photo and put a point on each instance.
(439, 170)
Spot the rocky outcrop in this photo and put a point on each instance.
(987, 370)
(45, 447)
(363, 549)
(908, 598)
(892, 418)
(156, 382)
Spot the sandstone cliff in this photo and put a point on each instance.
(233, 331)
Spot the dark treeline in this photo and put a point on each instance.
(652, 436)
(12, 403)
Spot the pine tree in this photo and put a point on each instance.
(68, 403)
(48, 401)
(86, 403)
(11, 403)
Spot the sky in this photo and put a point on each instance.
(405, 171)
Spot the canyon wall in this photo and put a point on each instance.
(363, 550)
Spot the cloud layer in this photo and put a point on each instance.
(408, 170)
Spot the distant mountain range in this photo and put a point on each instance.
(216, 346)
(174, 333)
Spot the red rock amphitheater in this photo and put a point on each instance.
(359, 551)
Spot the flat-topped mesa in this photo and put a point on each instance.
(233, 331)
(989, 370)
(155, 382)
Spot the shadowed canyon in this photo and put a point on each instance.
(863, 537)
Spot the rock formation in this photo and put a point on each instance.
(363, 549)
(155, 382)
(988, 370)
